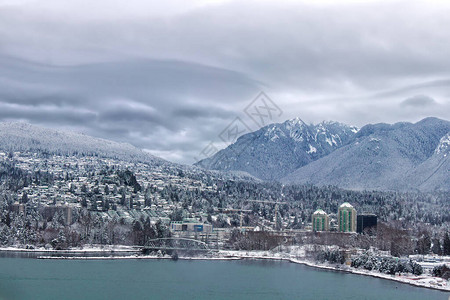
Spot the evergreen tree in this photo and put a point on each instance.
(436, 248)
(83, 201)
(161, 230)
(446, 246)
(123, 196)
(148, 197)
(24, 198)
(424, 244)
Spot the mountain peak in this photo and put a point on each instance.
(383, 157)
(277, 149)
(429, 120)
(295, 122)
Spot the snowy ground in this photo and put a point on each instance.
(296, 254)
(85, 249)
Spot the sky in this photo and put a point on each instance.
(170, 76)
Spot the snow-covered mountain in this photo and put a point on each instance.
(434, 173)
(275, 150)
(402, 156)
(24, 137)
(444, 146)
(16, 136)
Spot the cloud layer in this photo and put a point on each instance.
(170, 77)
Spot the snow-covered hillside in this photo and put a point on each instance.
(444, 145)
(276, 150)
(16, 136)
(434, 173)
(402, 156)
(24, 137)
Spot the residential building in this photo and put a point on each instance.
(191, 226)
(320, 221)
(346, 218)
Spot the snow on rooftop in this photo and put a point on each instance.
(319, 212)
(346, 204)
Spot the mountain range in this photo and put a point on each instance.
(24, 137)
(401, 156)
(275, 150)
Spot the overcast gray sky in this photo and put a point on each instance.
(169, 76)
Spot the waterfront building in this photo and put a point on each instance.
(346, 218)
(190, 225)
(366, 221)
(320, 221)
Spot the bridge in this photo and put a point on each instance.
(170, 245)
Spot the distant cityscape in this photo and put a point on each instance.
(55, 202)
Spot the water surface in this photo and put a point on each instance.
(22, 278)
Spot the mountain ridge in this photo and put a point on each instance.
(20, 136)
(400, 156)
(383, 157)
(277, 149)
(25, 137)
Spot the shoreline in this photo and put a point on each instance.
(412, 280)
(112, 249)
(399, 279)
(350, 270)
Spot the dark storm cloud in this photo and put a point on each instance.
(419, 101)
(151, 104)
(45, 114)
(169, 77)
(123, 112)
(441, 84)
(199, 111)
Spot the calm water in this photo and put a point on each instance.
(22, 278)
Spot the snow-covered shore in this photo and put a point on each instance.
(426, 281)
(296, 255)
(86, 249)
